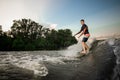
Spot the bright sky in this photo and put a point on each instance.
(102, 16)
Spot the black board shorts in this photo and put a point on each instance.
(85, 39)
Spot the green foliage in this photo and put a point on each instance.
(29, 35)
(26, 28)
(40, 43)
(5, 43)
(29, 47)
(18, 44)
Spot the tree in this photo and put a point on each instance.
(30, 47)
(29, 35)
(18, 44)
(5, 42)
(52, 40)
(60, 39)
(41, 44)
(1, 31)
(26, 28)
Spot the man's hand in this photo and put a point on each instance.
(75, 35)
(79, 36)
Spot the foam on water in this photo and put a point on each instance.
(26, 61)
(35, 62)
(112, 42)
(73, 50)
(117, 53)
(32, 62)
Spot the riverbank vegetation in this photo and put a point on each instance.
(26, 35)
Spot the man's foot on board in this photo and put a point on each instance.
(88, 50)
(83, 52)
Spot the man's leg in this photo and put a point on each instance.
(83, 45)
(87, 47)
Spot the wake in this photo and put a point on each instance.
(73, 50)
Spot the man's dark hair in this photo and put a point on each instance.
(82, 20)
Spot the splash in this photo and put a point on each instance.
(26, 61)
(34, 62)
(73, 51)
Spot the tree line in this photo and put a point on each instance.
(28, 35)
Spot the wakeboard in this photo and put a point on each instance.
(81, 55)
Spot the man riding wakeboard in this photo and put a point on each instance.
(84, 31)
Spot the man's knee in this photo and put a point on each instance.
(83, 42)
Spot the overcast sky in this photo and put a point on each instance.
(102, 16)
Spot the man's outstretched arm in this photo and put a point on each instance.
(77, 33)
(82, 32)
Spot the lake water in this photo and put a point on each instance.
(60, 65)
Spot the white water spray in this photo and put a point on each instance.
(73, 50)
